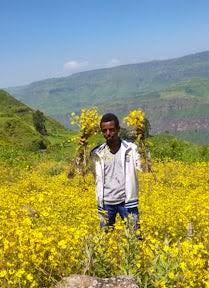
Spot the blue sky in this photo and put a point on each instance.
(52, 38)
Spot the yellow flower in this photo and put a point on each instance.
(88, 121)
(3, 273)
(62, 244)
(20, 273)
(29, 277)
(171, 275)
(135, 118)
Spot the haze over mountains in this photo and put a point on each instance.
(174, 94)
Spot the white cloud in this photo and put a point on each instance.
(113, 62)
(74, 66)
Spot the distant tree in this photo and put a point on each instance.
(39, 122)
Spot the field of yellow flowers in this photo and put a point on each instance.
(50, 228)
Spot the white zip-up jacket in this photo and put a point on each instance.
(130, 163)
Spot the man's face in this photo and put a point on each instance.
(110, 131)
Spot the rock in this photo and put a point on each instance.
(83, 281)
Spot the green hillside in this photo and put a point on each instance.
(17, 127)
(174, 93)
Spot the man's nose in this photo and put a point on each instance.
(108, 132)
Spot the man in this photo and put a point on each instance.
(116, 165)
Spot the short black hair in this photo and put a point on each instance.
(110, 117)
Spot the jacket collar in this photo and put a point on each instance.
(125, 145)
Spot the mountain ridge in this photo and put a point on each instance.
(199, 54)
(154, 84)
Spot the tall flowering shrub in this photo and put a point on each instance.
(136, 120)
(88, 124)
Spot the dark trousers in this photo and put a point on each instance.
(109, 213)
